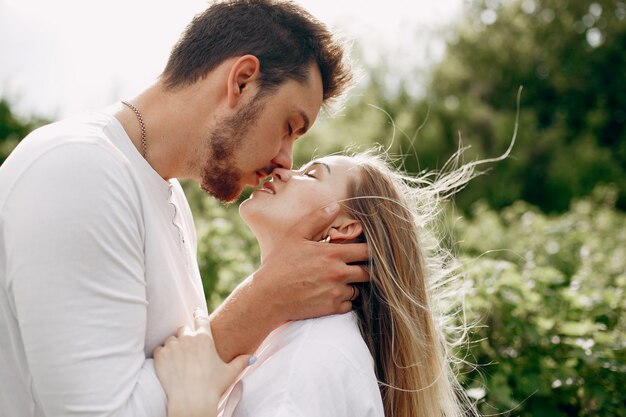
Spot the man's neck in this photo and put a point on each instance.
(176, 123)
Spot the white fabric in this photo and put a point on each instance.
(97, 268)
(312, 368)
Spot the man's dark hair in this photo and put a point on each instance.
(283, 36)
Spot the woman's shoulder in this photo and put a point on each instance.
(330, 345)
(342, 326)
(337, 334)
(315, 367)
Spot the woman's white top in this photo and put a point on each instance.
(311, 368)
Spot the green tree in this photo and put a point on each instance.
(569, 58)
(567, 55)
(227, 250)
(547, 294)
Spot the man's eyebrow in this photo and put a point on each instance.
(310, 164)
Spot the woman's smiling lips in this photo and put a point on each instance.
(269, 187)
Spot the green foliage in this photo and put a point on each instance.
(12, 129)
(565, 54)
(227, 250)
(569, 58)
(548, 296)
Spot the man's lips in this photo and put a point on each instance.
(265, 172)
(262, 174)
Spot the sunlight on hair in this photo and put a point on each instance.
(412, 316)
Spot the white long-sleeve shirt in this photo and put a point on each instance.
(311, 368)
(97, 267)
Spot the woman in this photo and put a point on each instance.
(389, 356)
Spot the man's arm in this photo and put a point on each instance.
(74, 242)
(302, 279)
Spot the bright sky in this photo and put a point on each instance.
(63, 56)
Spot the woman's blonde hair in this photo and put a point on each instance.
(407, 310)
(399, 310)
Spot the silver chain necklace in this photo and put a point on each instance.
(144, 144)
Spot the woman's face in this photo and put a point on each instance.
(292, 195)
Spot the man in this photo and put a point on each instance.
(97, 250)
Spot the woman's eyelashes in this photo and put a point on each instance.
(310, 172)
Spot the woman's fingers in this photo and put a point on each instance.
(201, 322)
(236, 367)
(183, 331)
(157, 351)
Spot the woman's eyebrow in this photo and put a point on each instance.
(310, 164)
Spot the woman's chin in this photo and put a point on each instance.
(247, 211)
(254, 219)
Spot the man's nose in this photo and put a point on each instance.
(284, 159)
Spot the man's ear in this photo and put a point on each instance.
(246, 69)
(347, 231)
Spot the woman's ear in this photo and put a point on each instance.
(348, 230)
(245, 70)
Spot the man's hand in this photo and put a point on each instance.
(300, 279)
(193, 376)
(305, 278)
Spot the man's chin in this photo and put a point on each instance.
(225, 193)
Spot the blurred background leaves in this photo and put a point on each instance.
(542, 234)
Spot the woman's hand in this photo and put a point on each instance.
(193, 375)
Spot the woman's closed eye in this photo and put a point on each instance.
(314, 170)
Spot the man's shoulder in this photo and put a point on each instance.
(84, 129)
(318, 366)
(65, 145)
(75, 153)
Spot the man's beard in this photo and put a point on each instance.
(220, 177)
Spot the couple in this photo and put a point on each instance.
(97, 250)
